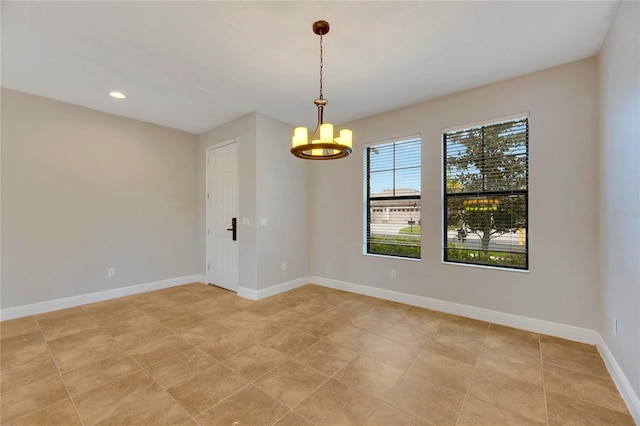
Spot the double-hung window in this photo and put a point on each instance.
(486, 194)
(392, 197)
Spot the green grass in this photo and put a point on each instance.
(391, 245)
(457, 253)
(409, 230)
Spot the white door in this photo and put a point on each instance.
(222, 216)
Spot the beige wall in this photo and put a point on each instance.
(273, 186)
(619, 211)
(282, 199)
(83, 191)
(562, 284)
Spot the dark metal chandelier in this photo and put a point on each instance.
(321, 145)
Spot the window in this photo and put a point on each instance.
(393, 199)
(486, 194)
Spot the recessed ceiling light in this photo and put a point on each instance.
(117, 95)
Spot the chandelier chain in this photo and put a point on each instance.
(321, 66)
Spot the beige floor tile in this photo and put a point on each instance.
(108, 400)
(426, 400)
(250, 406)
(291, 342)
(326, 357)
(240, 320)
(98, 373)
(60, 413)
(255, 361)
(596, 390)
(232, 342)
(335, 403)
(351, 338)
(151, 408)
(512, 341)
(386, 415)
(153, 352)
(518, 366)
(24, 373)
(143, 335)
(479, 413)
(207, 388)
(443, 370)
(389, 312)
(340, 314)
(449, 343)
(359, 340)
(567, 411)
(180, 367)
(32, 397)
(268, 328)
(394, 353)
(574, 357)
(318, 327)
(582, 347)
(84, 348)
(508, 393)
(430, 325)
(21, 348)
(130, 326)
(267, 308)
(408, 334)
(288, 318)
(18, 327)
(114, 309)
(195, 329)
(291, 382)
(314, 307)
(371, 323)
(65, 322)
(369, 376)
(293, 419)
(416, 312)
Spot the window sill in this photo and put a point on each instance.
(498, 268)
(412, 259)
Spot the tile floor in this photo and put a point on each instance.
(196, 354)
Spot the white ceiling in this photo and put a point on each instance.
(196, 65)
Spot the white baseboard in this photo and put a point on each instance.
(620, 379)
(569, 332)
(70, 302)
(248, 293)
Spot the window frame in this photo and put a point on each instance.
(366, 199)
(443, 174)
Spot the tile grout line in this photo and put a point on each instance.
(55, 362)
(475, 366)
(544, 384)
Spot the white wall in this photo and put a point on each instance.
(83, 191)
(243, 130)
(619, 211)
(282, 199)
(562, 285)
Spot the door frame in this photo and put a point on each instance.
(206, 200)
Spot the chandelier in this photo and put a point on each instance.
(321, 145)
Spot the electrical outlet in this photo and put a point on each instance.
(284, 266)
(393, 273)
(111, 272)
(615, 327)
